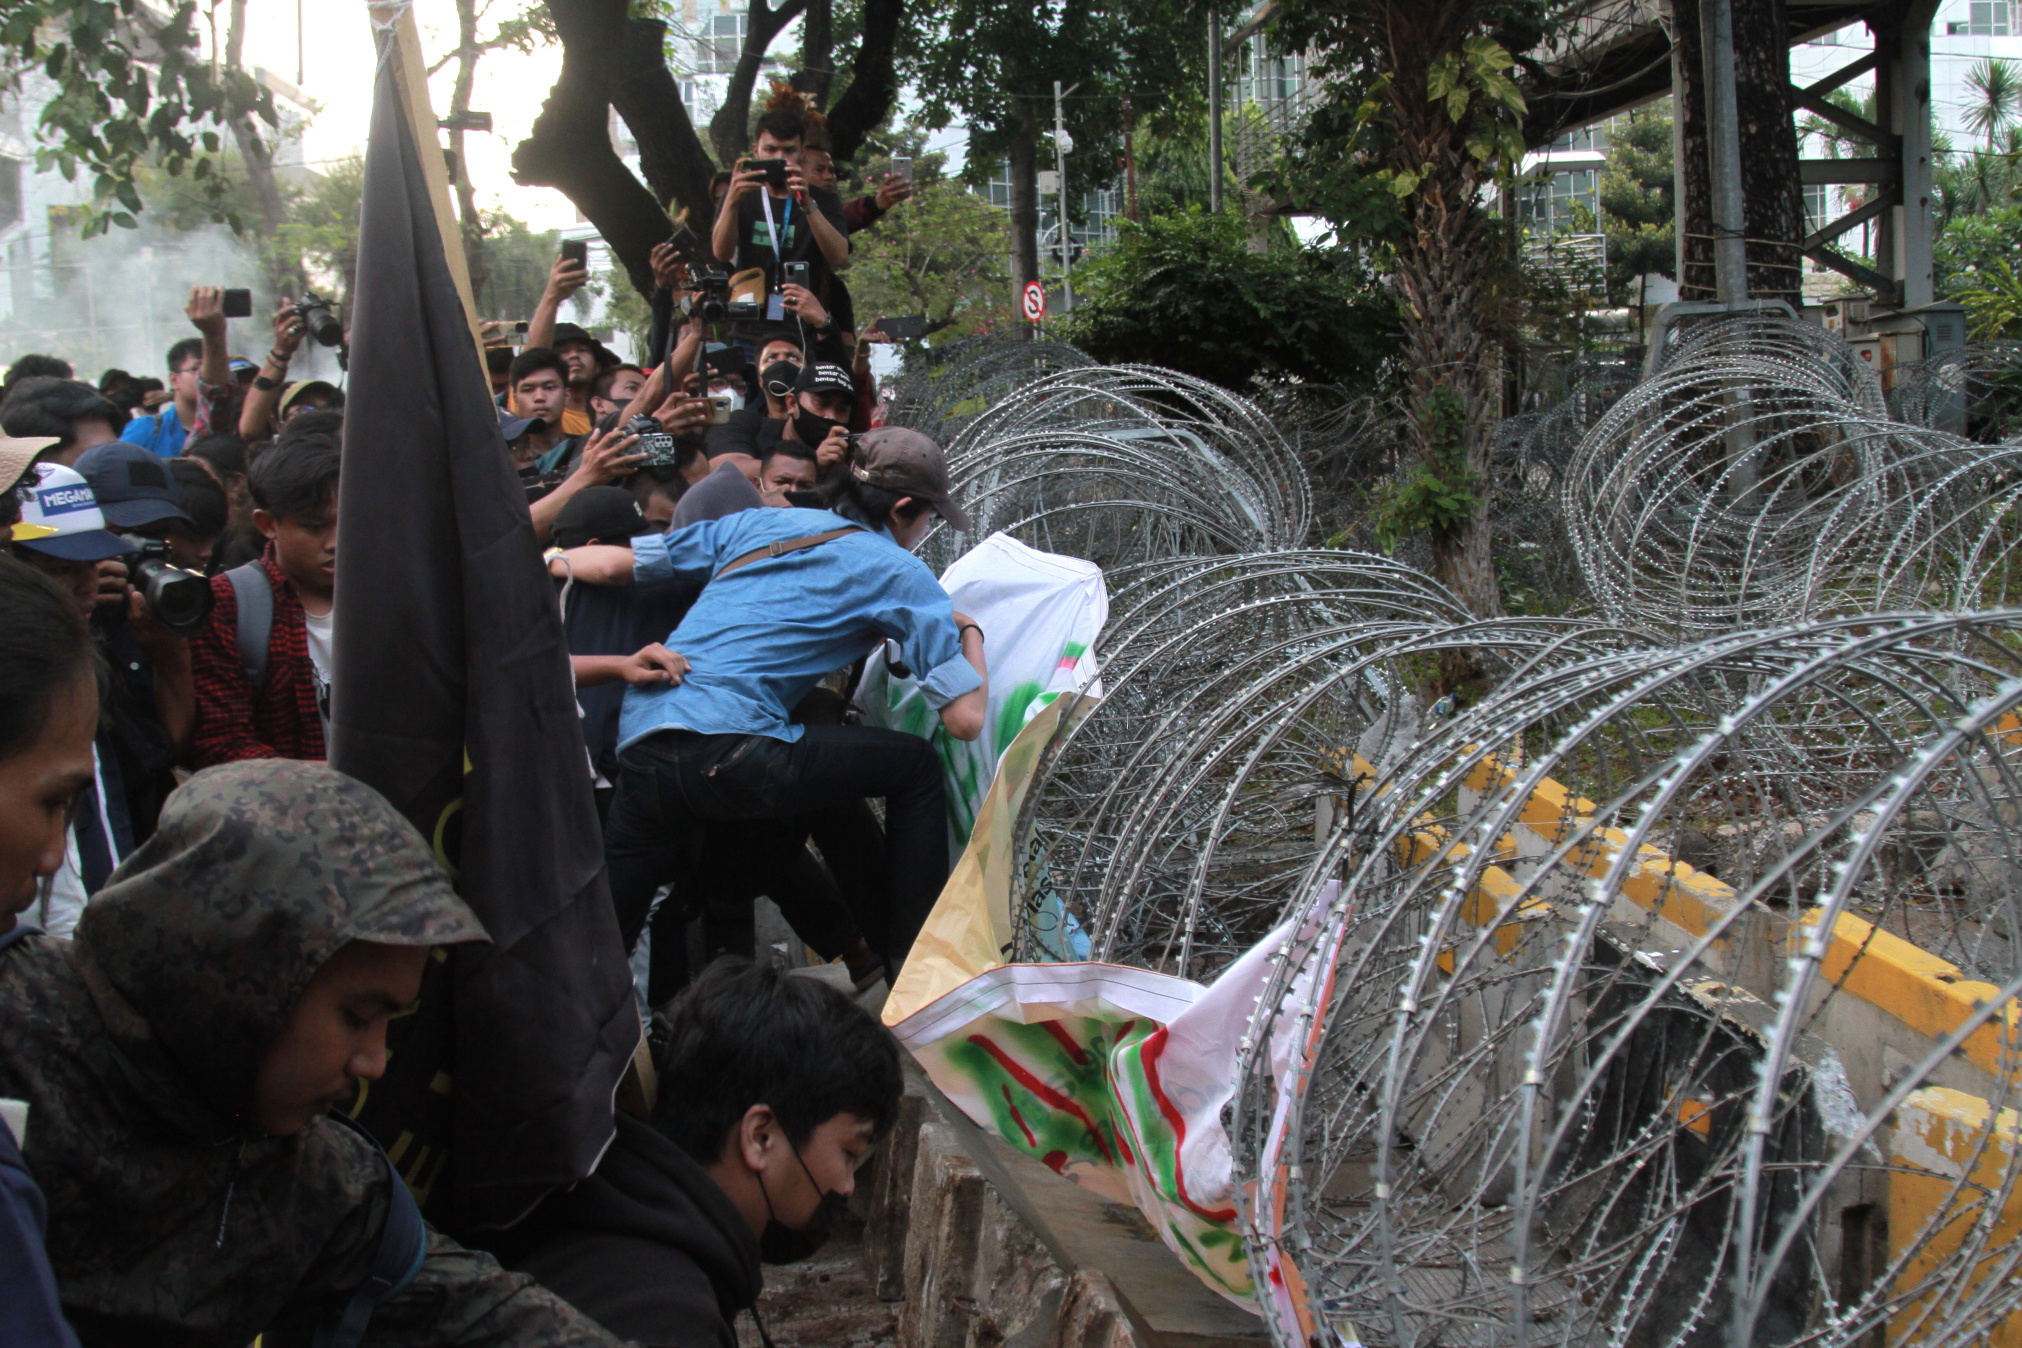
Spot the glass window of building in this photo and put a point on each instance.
(1986, 18)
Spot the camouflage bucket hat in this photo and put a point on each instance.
(257, 873)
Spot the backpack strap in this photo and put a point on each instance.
(403, 1243)
(780, 547)
(255, 593)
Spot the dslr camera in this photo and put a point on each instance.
(712, 281)
(179, 599)
(654, 442)
(317, 320)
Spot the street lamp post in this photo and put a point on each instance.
(1062, 143)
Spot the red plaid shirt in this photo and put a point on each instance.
(218, 407)
(234, 721)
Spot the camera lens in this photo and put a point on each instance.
(180, 599)
(317, 320)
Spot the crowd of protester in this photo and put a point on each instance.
(206, 931)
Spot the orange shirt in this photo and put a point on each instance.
(574, 420)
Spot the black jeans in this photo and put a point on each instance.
(672, 783)
(741, 861)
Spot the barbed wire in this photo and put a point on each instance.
(1577, 1038)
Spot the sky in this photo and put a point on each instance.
(337, 74)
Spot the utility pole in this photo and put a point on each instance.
(1215, 110)
(1060, 147)
(1129, 165)
(1723, 142)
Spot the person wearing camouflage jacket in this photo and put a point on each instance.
(173, 1217)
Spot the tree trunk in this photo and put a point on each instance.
(874, 80)
(611, 60)
(570, 149)
(1024, 158)
(1447, 252)
(470, 226)
(1772, 197)
(647, 96)
(817, 51)
(284, 273)
(730, 129)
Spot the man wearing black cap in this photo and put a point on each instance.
(788, 596)
(750, 429)
(819, 418)
(153, 710)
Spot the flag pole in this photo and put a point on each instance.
(413, 80)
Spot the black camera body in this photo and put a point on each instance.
(712, 281)
(179, 599)
(317, 320)
(656, 444)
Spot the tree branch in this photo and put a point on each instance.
(647, 96)
(817, 51)
(874, 82)
(570, 146)
(729, 130)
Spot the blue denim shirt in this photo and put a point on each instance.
(758, 639)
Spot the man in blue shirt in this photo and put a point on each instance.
(165, 430)
(790, 596)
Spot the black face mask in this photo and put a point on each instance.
(781, 1244)
(811, 428)
(780, 377)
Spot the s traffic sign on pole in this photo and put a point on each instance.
(1034, 301)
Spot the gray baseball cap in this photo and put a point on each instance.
(906, 463)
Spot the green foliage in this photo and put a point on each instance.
(516, 263)
(1974, 182)
(321, 225)
(1172, 160)
(1973, 243)
(320, 229)
(1347, 167)
(1482, 101)
(628, 313)
(112, 112)
(1440, 493)
(945, 253)
(1636, 200)
(1993, 300)
(1185, 291)
(992, 66)
(1995, 96)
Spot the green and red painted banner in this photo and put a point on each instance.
(1115, 1078)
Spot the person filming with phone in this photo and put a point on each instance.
(771, 219)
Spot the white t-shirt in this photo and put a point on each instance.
(319, 642)
(318, 633)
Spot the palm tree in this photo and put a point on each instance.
(1443, 121)
(1997, 91)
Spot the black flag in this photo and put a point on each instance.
(452, 695)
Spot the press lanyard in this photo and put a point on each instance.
(777, 232)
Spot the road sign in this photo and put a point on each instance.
(1034, 301)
